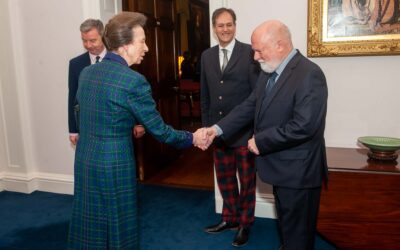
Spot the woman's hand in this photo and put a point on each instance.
(138, 131)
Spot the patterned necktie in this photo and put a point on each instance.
(225, 60)
(271, 82)
(97, 59)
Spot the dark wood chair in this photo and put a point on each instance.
(189, 93)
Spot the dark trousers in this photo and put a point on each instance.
(297, 212)
(238, 206)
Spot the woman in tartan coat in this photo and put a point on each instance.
(112, 99)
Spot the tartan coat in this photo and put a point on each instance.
(112, 99)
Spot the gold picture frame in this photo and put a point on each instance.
(334, 29)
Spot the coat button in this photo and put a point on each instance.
(221, 82)
(220, 112)
(220, 97)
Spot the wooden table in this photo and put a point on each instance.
(360, 208)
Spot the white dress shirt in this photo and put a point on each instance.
(229, 49)
(93, 57)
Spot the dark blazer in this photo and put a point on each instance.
(289, 130)
(222, 91)
(76, 65)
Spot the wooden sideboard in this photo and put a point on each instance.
(360, 207)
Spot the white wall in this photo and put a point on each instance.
(12, 150)
(54, 38)
(3, 153)
(13, 146)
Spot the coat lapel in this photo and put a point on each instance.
(214, 62)
(263, 79)
(235, 56)
(87, 60)
(280, 83)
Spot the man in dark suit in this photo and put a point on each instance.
(288, 108)
(91, 34)
(228, 75)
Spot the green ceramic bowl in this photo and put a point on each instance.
(379, 143)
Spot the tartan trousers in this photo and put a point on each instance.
(238, 206)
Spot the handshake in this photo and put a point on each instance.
(203, 137)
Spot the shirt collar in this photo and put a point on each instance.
(115, 58)
(93, 57)
(229, 47)
(283, 64)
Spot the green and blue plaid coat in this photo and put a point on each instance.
(112, 99)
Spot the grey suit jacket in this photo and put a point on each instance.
(222, 91)
(289, 128)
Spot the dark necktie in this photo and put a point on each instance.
(225, 60)
(268, 88)
(270, 83)
(97, 59)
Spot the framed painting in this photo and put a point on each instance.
(353, 28)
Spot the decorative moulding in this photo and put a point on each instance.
(23, 183)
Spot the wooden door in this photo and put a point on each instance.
(160, 68)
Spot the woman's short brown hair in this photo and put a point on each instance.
(118, 31)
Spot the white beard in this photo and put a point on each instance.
(265, 67)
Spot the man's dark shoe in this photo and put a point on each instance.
(220, 227)
(241, 238)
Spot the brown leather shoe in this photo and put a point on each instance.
(220, 227)
(241, 238)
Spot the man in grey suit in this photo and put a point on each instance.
(228, 75)
(288, 108)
